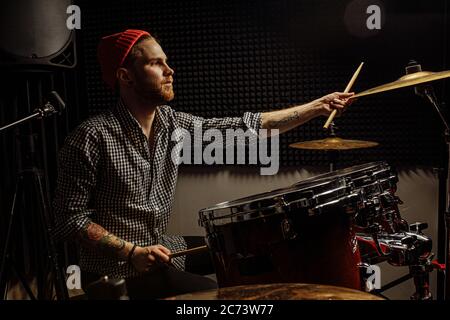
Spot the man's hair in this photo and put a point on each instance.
(132, 56)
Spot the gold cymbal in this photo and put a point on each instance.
(279, 291)
(405, 81)
(333, 143)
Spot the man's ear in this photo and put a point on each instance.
(124, 77)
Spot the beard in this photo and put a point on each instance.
(167, 93)
(156, 92)
(161, 94)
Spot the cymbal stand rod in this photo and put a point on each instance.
(429, 93)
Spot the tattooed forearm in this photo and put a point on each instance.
(286, 120)
(95, 236)
(111, 244)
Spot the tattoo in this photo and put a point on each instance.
(111, 244)
(95, 236)
(276, 124)
(93, 232)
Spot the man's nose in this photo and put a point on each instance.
(168, 70)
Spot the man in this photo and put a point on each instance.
(116, 178)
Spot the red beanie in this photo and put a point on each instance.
(113, 50)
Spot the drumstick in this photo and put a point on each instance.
(188, 251)
(347, 89)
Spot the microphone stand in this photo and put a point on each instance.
(41, 112)
(31, 172)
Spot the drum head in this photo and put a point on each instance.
(366, 168)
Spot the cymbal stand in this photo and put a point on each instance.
(428, 92)
(333, 155)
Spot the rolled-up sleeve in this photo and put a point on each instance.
(77, 175)
(249, 120)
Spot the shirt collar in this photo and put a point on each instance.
(131, 124)
(125, 117)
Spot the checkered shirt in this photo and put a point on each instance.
(107, 174)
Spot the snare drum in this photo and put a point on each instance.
(298, 234)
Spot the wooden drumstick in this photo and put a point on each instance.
(347, 89)
(188, 251)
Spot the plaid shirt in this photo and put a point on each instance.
(108, 174)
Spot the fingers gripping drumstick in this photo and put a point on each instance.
(347, 89)
(188, 251)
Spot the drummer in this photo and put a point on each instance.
(116, 178)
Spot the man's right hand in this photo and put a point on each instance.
(144, 257)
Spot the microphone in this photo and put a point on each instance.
(56, 99)
(54, 104)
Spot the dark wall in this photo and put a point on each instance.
(236, 56)
(29, 150)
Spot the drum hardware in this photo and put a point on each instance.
(286, 224)
(350, 199)
(335, 192)
(378, 246)
(407, 248)
(369, 251)
(418, 227)
(404, 249)
(389, 204)
(288, 230)
(416, 77)
(318, 203)
(420, 275)
(282, 205)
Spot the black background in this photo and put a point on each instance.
(235, 56)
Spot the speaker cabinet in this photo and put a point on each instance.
(35, 33)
